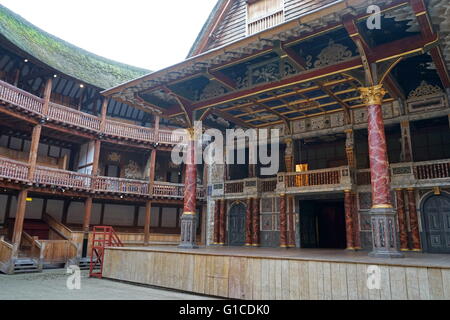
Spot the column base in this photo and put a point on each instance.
(188, 232)
(384, 235)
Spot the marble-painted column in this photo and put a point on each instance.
(289, 161)
(283, 221)
(222, 225)
(216, 236)
(402, 225)
(248, 223)
(383, 215)
(414, 221)
(349, 223)
(291, 220)
(356, 227)
(189, 219)
(256, 223)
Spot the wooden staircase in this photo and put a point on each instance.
(26, 265)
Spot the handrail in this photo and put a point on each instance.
(329, 176)
(6, 250)
(119, 185)
(12, 169)
(62, 114)
(63, 178)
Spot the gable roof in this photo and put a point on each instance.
(63, 56)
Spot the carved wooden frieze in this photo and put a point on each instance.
(334, 120)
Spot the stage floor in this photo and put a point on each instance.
(411, 259)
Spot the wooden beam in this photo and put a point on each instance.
(231, 118)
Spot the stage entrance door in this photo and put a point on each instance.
(436, 220)
(322, 224)
(236, 225)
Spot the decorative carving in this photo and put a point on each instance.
(114, 157)
(132, 170)
(211, 90)
(334, 53)
(266, 73)
(373, 95)
(425, 89)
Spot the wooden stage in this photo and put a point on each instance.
(299, 274)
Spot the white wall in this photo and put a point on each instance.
(118, 215)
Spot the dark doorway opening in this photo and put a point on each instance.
(236, 225)
(322, 224)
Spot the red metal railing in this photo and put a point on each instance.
(102, 237)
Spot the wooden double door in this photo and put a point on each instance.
(436, 223)
(236, 225)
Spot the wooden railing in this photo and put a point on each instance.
(13, 170)
(117, 185)
(20, 98)
(432, 169)
(234, 187)
(165, 189)
(29, 103)
(322, 177)
(268, 185)
(73, 117)
(129, 131)
(62, 178)
(266, 22)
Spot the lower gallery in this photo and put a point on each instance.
(359, 207)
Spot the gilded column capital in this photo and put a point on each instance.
(373, 95)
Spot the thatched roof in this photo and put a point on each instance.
(63, 56)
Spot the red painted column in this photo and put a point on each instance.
(283, 221)
(256, 223)
(189, 217)
(291, 228)
(356, 228)
(414, 221)
(222, 226)
(248, 223)
(217, 222)
(402, 220)
(383, 220)
(349, 223)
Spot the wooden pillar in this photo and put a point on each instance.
(148, 212)
(35, 137)
(104, 112)
(291, 222)
(413, 221)
(18, 224)
(406, 155)
(87, 214)
(95, 163)
(47, 96)
(283, 221)
(248, 223)
(402, 225)
(216, 236)
(151, 170)
(222, 222)
(350, 148)
(157, 121)
(289, 155)
(349, 223)
(356, 228)
(382, 212)
(256, 224)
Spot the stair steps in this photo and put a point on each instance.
(26, 265)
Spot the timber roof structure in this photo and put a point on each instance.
(63, 56)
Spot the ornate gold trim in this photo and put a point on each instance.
(189, 213)
(373, 95)
(382, 206)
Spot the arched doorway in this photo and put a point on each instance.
(436, 223)
(236, 225)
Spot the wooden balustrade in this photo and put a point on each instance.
(234, 187)
(73, 117)
(161, 189)
(117, 185)
(20, 98)
(62, 178)
(129, 131)
(268, 185)
(13, 170)
(69, 116)
(432, 170)
(323, 177)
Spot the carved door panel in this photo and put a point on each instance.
(236, 225)
(437, 224)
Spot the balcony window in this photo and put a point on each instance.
(264, 14)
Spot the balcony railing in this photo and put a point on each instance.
(29, 103)
(432, 170)
(19, 171)
(234, 187)
(323, 177)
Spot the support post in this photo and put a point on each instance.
(403, 230)
(217, 222)
(256, 223)
(189, 217)
(349, 223)
(86, 225)
(356, 227)
(222, 225)
(32, 159)
(283, 222)
(414, 221)
(104, 111)
(148, 212)
(291, 222)
(47, 96)
(248, 223)
(289, 163)
(406, 155)
(383, 218)
(18, 224)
